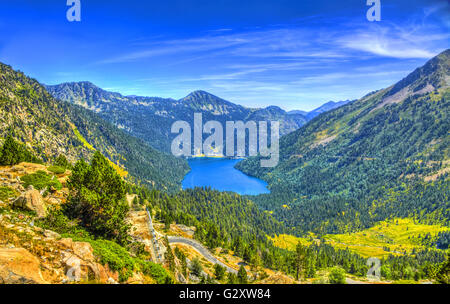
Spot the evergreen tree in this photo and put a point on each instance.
(196, 267)
(12, 153)
(169, 257)
(231, 278)
(443, 275)
(242, 275)
(62, 162)
(300, 260)
(219, 272)
(97, 199)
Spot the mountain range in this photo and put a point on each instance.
(150, 118)
(131, 131)
(322, 109)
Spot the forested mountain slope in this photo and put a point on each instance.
(384, 155)
(51, 128)
(151, 118)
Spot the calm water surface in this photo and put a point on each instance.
(220, 174)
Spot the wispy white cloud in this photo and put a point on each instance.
(286, 64)
(234, 75)
(173, 47)
(411, 41)
(347, 77)
(389, 40)
(443, 6)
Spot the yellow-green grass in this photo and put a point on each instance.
(399, 235)
(81, 138)
(122, 172)
(286, 241)
(117, 167)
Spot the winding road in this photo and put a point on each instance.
(200, 249)
(185, 241)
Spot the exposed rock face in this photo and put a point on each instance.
(30, 254)
(32, 200)
(140, 230)
(137, 278)
(80, 264)
(83, 250)
(278, 278)
(19, 266)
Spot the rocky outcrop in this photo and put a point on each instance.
(30, 254)
(140, 231)
(80, 264)
(32, 200)
(19, 266)
(278, 278)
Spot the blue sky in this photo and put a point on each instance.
(293, 54)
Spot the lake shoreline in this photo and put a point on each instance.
(221, 174)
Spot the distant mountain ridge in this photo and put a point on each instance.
(331, 105)
(150, 118)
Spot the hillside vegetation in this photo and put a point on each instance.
(385, 155)
(367, 179)
(396, 237)
(49, 128)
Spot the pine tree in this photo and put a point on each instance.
(443, 275)
(242, 275)
(219, 272)
(300, 259)
(12, 153)
(97, 199)
(169, 257)
(62, 161)
(196, 267)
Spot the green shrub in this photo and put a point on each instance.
(119, 259)
(56, 169)
(157, 272)
(337, 276)
(40, 180)
(62, 162)
(6, 193)
(443, 275)
(386, 272)
(196, 267)
(12, 153)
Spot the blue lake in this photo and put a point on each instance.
(220, 174)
